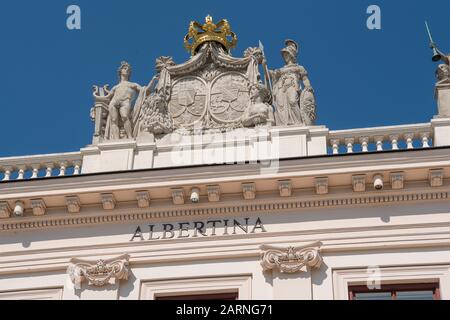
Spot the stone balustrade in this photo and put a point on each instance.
(130, 154)
(380, 139)
(40, 166)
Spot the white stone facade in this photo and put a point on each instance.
(93, 217)
(263, 210)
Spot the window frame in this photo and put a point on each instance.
(158, 289)
(395, 288)
(55, 293)
(343, 279)
(230, 296)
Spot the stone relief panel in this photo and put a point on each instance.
(291, 259)
(210, 91)
(188, 101)
(98, 273)
(229, 97)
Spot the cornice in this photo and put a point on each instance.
(179, 176)
(267, 205)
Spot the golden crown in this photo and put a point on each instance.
(199, 34)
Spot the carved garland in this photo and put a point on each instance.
(98, 273)
(291, 259)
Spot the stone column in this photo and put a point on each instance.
(290, 268)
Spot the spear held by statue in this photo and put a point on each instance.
(437, 55)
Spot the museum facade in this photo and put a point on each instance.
(213, 182)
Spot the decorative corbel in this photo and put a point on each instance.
(322, 185)
(108, 201)
(143, 199)
(178, 196)
(98, 273)
(5, 210)
(436, 177)
(249, 190)
(213, 193)
(359, 183)
(39, 207)
(285, 188)
(291, 259)
(73, 204)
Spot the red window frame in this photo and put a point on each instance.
(395, 288)
(206, 296)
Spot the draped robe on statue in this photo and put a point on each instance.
(287, 91)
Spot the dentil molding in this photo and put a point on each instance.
(291, 259)
(98, 273)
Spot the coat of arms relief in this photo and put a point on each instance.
(211, 91)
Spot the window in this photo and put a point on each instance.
(42, 294)
(208, 288)
(416, 291)
(401, 282)
(217, 296)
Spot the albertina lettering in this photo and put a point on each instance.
(197, 229)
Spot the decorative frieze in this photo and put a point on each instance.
(291, 259)
(5, 210)
(213, 193)
(322, 185)
(359, 183)
(436, 177)
(178, 196)
(285, 187)
(249, 191)
(73, 204)
(108, 201)
(397, 180)
(98, 273)
(143, 199)
(38, 206)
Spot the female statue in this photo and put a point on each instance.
(294, 105)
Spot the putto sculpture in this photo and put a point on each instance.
(212, 91)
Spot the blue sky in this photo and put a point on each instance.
(362, 77)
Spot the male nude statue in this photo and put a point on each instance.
(122, 96)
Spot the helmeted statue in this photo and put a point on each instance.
(443, 70)
(295, 105)
(442, 87)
